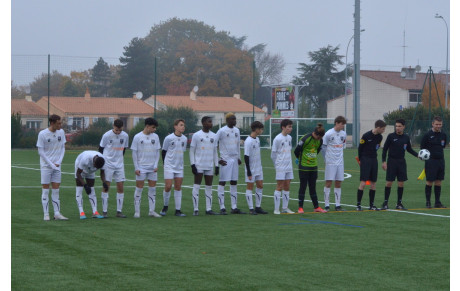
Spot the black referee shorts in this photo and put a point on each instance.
(369, 169)
(434, 169)
(396, 168)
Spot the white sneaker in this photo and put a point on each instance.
(46, 217)
(287, 210)
(60, 217)
(137, 215)
(276, 212)
(154, 214)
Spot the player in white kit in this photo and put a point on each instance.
(203, 160)
(113, 145)
(51, 148)
(253, 169)
(146, 154)
(86, 164)
(174, 147)
(334, 142)
(229, 148)
(282, 159)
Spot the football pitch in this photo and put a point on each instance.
(379, 250)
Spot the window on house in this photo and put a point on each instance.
(35, 124)
(247, 120)
(77, 123)
(415, 97)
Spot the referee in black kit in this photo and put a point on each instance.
(434, 141)
(367, 154)
(396, 144)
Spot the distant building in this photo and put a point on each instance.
(32, 115)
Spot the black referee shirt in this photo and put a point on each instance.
(435, 142)
(397, 144)
(369, 144)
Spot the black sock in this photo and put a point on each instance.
(400, 194)
(437, 194)
(428, 193)
(360, 196)
(301, 199)
(371, 197)
(387, 193)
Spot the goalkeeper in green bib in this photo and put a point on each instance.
(306, 152)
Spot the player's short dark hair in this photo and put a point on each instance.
(53, 118)
(151, 121)
(285, 122)
(176, 122)
(437, 118)
(340, 119)
(205, 118)
(380, 123)
(118, 123)
(401, 120)
(256, 124)
(99, 162)
(319, 130)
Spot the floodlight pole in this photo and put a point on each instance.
(356, 73)
(155, 90)
(447, 56)
(49, 90)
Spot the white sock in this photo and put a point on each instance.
(285, 199)
(120, 198)
(258, 197)
(277, 197)
(79, 198)
(338, 195)
(178, 199)
(326, 196)
(166, 196)
(93, 200)
(195, 196)
(208, 193)
(234, 196)
(249, 198)
(55, 201)
(45, 199)
(152, 197)
(137, 199)
(105, 201)
(221, 196)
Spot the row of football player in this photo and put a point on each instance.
(203, 156)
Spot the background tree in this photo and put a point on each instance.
(16, 129)
(18, 92)
(39, 87)
(324, 79)
(269, 66)
(100, 79)
(435, 101)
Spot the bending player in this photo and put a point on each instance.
(203, 158)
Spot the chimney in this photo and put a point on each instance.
(192, 95)
(87, 96)
(29, 98)
(237, 96)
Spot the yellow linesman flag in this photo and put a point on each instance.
(422, 175)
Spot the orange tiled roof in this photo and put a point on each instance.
(394, 79)
(27, 108)
(97, 105)
(223, 104)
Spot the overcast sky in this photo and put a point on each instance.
(292, 28)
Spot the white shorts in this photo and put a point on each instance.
(229, 172)
(334, 173)
(118, 175)
(282, 175)
(49, 175)
(85, 175)
(256, 177)
(205, 172)
(151, 176)
(169, 175)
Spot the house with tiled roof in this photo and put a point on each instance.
(80, 112)
(380, 93)
(32, 115)
(215, 107)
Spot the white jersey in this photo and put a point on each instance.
(203, 150)
(229, 142)
(147, 149)
(252, 150)
(334, 142)
(114, 145)
(85, 161)
(281, 153)
(53, 146)
(175, 147)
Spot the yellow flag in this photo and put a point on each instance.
(422, 175)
